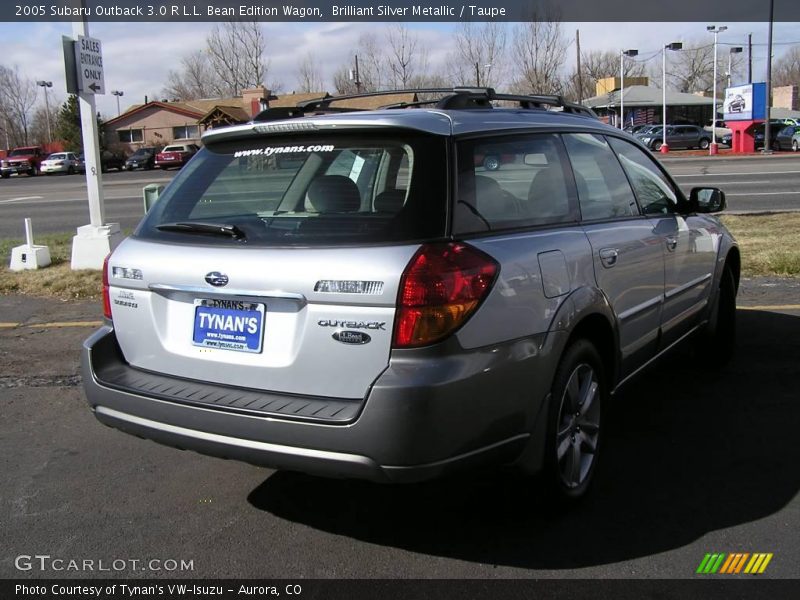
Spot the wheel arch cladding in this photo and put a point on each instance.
(597, 329)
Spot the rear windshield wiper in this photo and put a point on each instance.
(204, 227)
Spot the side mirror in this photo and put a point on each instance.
(707, 200)
(150, 194)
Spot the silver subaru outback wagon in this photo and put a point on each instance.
(363, 294)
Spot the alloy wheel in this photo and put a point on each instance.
(578, 426)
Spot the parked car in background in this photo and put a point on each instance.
(175, 155)
(112, 160)
(26, 160)
(60, 162)
(634, 129)
(678, 137)
(722, 128)
(391, 310)
(108, 160)
(786, 138)
(758, 134)
(143, 158)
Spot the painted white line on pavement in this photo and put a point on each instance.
(20, 199)
(744, 173)
(765, 194)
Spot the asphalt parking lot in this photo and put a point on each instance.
(696, 461)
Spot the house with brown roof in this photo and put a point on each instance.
(159, 123)
(164, 122)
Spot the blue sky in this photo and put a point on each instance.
(138, 56)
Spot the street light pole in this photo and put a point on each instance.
(673, 46)
(117, 93)
(734, 50)
(622, 56)
(45, 85)
(714, 148)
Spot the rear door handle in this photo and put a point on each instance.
(672, 243)
(608, 256)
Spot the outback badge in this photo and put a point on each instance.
(352, 337)
(216, 279)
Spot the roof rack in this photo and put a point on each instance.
(455, 98)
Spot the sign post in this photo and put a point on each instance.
(93, 242)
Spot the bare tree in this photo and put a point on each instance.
(692, 69)
(786, 70)
(540, 49)
(480, 54)
(597, 65)
(404, 55)
(309, 76)
(194, 80)
(373, 68)
(236, 55)
(38, 133)
(17, 99)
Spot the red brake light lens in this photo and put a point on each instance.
(106, 294)
(441, 287)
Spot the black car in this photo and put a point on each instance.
(143, 158)
(108, 160)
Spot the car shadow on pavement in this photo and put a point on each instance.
(688, 451)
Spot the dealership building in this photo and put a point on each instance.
(643, 104)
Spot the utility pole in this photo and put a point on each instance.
(767, 133)
(580, 74)
(477, 74)
(358, 80)
(714, 148)
(749, 58)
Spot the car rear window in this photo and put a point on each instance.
(317, 191)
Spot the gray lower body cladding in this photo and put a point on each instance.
(431, 411)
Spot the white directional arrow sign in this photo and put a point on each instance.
(89, 62)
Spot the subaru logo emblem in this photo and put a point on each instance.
(217, 279)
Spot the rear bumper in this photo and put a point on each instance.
(426, 415)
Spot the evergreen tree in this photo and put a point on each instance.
(68, 125)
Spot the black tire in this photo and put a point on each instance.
(491, 163)
(718, 342)
(5, 175)
(657, 146)
(71, 170)
(572, 444)
(34, 171)
(704, 144)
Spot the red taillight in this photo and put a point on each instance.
(440, 288)
(106, 295)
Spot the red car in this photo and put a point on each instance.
(175, 155)
(22, 160)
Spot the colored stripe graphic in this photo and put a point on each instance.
(732, 564)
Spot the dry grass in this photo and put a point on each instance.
(770, 246)
(57, 280)
(770, 243)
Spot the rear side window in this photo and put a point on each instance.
(516, 181)
(603, 189)
(653, 190)
(338, 190)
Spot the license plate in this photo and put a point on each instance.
(228, 325)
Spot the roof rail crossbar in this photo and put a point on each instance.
(455, 98)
